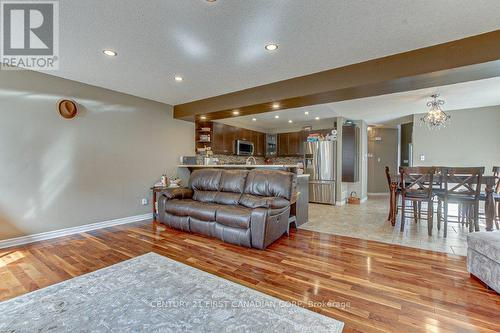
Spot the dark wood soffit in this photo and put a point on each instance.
(472, 58)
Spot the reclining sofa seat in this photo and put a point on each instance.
(247, 208)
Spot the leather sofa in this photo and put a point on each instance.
(246, 208)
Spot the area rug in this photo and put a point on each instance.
(151, 293)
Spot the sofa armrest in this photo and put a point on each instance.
(267, 225)
(177, 193)
(169, 194)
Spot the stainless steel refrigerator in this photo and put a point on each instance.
(319, 163)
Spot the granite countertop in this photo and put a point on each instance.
(238, 166)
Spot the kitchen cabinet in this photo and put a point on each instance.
(350, 142)
(282, 144)
(260, 150)
(291, 144)
(218, 142)
(225, 135)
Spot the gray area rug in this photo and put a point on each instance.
(151, 293)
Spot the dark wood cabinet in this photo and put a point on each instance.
(282, 144)
(290, 144)
(350, 139)
(294, 143)
(260, 150)
(225, 135)
(218, 142)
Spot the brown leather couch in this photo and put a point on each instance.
(247, 208)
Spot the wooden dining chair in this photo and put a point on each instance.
(496, 173)
(461, 186)
(393, 202)
(416, 187)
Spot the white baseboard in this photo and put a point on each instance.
(341, 203)
(363, 200)
(378, 193)
(70, 231)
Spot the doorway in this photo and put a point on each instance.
(382, 152)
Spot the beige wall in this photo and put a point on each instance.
(57, 173)
(381, 153)
(471, 139)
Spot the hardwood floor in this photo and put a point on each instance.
(384, 287)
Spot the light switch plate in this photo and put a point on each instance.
(144, 202)
(422, 157)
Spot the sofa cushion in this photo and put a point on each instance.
(487, 243)
(234, 216)
(255, 201)
(205, 179)
(233, 180)
(269, 183)
(204, 196)
(178, 207)
(227, 198)
(199, 210)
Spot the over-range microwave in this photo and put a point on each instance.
(243, 148)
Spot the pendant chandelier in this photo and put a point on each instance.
(435, 118)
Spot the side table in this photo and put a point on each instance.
(155, 190)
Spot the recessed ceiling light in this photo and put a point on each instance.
(276, 105)
(271, 47)
(254, 119)
(317, 118)
(110, 53)
(276, 116)
(178, 78)
(203, 117)
(290, 121)
(236, 112)
(306, 113)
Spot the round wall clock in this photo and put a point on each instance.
(67, 108)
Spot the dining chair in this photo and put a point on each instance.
(393, 204)
(416, 187)
(461, 186)
(496, 195)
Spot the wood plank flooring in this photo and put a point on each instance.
(379, 287)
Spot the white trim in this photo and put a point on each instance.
(378, 193)
(341, 203)
(363, 200)
(70, 231)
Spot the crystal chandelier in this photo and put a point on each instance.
(435, 118)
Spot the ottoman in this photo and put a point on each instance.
(483, 257)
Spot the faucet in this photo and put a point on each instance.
(248, 162)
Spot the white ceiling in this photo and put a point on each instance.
(378, 109)
(219, 47)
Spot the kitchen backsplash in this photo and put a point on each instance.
(234, 159)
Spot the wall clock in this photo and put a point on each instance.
(67, 108)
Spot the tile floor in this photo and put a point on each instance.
(369, 221)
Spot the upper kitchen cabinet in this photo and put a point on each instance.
(225, 135)
(290, 144)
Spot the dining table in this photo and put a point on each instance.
(489, 201)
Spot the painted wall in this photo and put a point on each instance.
(471, 139)
(57, 173)
(381, 153)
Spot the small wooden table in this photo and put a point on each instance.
(155, 190)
